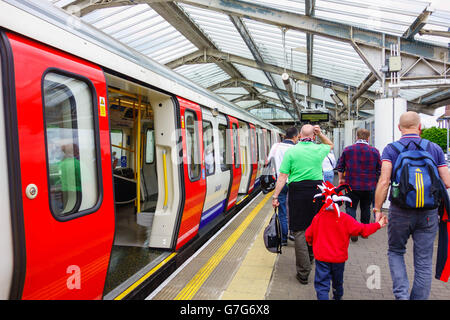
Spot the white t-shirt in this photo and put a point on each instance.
(329, 162)
(277, 152)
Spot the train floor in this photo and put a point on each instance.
(235, 265)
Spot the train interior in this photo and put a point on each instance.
(135, 175)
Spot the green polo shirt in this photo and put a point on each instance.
(304, 161)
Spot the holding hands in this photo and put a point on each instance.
(383, 221)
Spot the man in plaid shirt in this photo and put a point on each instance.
(360, 166)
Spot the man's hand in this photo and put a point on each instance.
(275, 203)
(378, 214)
(317, 130)
(383, 221)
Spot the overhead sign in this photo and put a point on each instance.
(314, 117)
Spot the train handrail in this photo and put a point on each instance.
(165, 179)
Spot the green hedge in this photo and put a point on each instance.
(436, 135)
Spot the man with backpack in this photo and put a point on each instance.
(412, 167)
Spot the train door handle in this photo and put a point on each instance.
(31, 191)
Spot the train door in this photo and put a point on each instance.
(260, 148)
(254, 157)
(244, 139)
(217, 175)
(65, 167)
(194, 170)
(233, 125)
(265, 144)
(6, 233)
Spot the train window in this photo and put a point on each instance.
(116, 140)
(71, 149)
(150, 146)
(237, 159)
(208, 147)
(192, 145)
(224, 154)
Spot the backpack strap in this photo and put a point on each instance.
(424, 144)
(399, 147)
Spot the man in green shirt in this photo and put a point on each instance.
(303, 165)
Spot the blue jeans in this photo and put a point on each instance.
(326, 272)
(422, 226)
(282, 212)
(328, 176)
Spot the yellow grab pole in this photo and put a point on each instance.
(166, 194)
(138, 158)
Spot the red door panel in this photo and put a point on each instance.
(194, 177)
(66, 258)
(253, 157)
(237, 173)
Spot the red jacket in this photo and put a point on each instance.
(330, 235)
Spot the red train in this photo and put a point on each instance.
(109, 160)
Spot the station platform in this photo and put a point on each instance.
(235, 265)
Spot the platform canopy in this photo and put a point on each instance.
(331, 52)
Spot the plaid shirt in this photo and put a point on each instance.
(362, 166)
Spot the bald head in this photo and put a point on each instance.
(409, 121)
(307, 131)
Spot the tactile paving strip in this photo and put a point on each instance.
(227, 265)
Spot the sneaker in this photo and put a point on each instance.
(354, 239)
(291, 237)
(284, 243)
(301, 279)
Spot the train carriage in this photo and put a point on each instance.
(109, 158)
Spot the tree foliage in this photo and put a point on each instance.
(436, 135)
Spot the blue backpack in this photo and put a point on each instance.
(415, 178)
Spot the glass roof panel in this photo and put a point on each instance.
(269, 40)
(203, 74)
(220, 29)
(337, 61)
(388, 16)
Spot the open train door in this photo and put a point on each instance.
(233, 125)
(65, 172)
(254, 157)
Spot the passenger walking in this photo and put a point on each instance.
(359, 166)
(302, 164)
(277, 153)
(329, 234)
(328, 165)
(414, 220)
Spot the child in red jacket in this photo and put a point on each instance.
(329, 234)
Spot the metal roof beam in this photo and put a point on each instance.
(294, 21)
(364, 86)
(211, 56)
(437, 33)
(244, 82)
(418, 24)
(174, 15)
(325, 28)
(309, 11)
(245, 34)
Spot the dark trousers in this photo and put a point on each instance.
(326, 272)
(365, 199)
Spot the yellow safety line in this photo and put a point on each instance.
(143, 278)
(197, 281)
